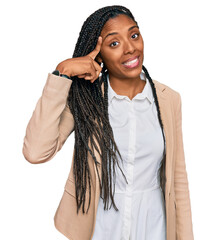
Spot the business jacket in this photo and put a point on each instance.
(52, 122)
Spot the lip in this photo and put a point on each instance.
(133, 65)
(130, 59)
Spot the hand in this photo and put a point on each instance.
(83, 67)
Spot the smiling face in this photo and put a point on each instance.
(122, 40)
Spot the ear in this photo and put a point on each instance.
(98, 58)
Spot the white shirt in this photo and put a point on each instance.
(138, 135)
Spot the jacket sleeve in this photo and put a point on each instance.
(182, 196)
(51, 122)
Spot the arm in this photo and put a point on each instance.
(51, 122)
(183, 206)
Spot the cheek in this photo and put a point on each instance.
(142, 44)
(111, 56)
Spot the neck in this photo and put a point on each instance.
(128, 86)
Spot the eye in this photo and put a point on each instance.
(112, 44)
(136, 34)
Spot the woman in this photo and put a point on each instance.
(128, 138)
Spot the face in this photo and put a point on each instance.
(122, 40)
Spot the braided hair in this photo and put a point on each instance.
(90, 111)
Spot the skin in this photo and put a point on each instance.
(118, 48)
(113, 50)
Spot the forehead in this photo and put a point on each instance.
(118, 23)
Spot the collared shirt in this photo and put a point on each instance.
(139, 138)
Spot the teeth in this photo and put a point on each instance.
(131, 62)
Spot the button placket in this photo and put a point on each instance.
(130, 166)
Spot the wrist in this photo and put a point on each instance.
(57, 73)
(61, 68)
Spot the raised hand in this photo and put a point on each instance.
(83, 67)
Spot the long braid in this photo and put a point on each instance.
(162, 168)
(90, 110)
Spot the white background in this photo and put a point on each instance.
(179, 51)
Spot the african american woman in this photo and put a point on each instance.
(128, 138)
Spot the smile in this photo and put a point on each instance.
(133, 63)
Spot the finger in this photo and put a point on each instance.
(95, 52)
(89, 77)
(98, 69)
(91, 74)
(81, 76)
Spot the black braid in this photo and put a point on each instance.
(90, 110)
(162, 168)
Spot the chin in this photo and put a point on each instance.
(133, 72)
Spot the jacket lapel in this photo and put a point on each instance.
(168, 125)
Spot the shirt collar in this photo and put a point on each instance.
(146, 92)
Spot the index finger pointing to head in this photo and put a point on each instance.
(95, 52)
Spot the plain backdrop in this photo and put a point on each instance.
(179, 51)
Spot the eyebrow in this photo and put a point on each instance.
(114, 33)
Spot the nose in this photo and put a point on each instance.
(128, 47)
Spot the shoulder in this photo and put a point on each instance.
(173, 94)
